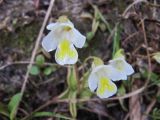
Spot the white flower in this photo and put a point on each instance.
(100, 82)
(156, 56)
(123, 68)
(63, 37)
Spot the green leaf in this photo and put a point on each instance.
(34, 70)
(84, 80)
(40, 60)
(154, 77)
(119, 53)
(158, 98)
(43, 114)
(65, 94)
(85, 45)
(98, 15)
(121, 92)
(86, 15)
(72, 78)
(72, 104)
(13, 105)
(155, 114)
(97, 61)
(50, 114)
(63, 18)
(116, 40)
(48, 70)
(102, 27)
(95, 25)
(85, 94)
(90, 36)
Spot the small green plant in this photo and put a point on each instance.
(97, 22)
(40, 67)
(9, 111)
(155, 114)
(100, 78)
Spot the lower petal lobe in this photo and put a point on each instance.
(105, 84)
(66, 53)
(106, 88)
(65, 50)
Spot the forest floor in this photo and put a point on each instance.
(138, 23)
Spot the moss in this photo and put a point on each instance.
(22, 38)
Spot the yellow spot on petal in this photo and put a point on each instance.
(67, 28)
(105, 84)
(65, 50)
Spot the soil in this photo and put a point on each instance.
(20, 22)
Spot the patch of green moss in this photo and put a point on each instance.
(22, 38)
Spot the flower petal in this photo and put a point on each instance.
(122, 67)
(128, 69)
(51, 26)
(49, 43)
(121, 76)
(106, 88)
(93, 82)
(66, 53)
(118, 63)
(78, 39)
(54, 26)
(110, 72)
(114, 74)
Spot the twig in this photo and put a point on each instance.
(24, 62)
(153, 5)
(136, 49)
(127, 116)
(101, 113)
(151, 105)
(108, 40)
(149, 65)
(1, 1)
(134, 106)
(148, 54)
(149, 108)
(46, 81)
(129, 37)
(155, 10)
(56, 100)
(37, 45)
(149, 70)
(131, 5)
